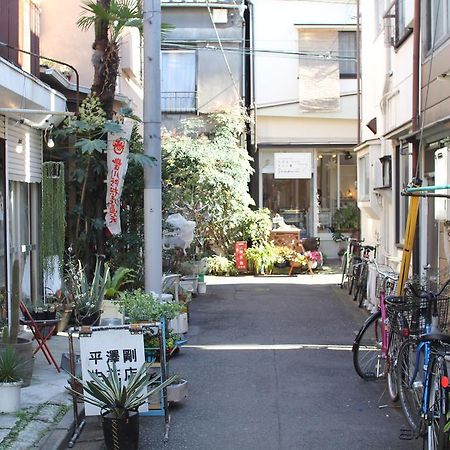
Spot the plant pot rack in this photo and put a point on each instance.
(159, 408)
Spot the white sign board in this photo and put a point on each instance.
(103, 346)
(292, 165)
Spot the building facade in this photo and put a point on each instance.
(28, 109)
(203, 59)
(304, 103)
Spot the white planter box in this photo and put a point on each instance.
(179, 325)
(177, 392)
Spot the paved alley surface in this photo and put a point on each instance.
(270, 368)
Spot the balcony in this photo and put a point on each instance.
(176, 102)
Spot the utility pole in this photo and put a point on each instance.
(152, 146)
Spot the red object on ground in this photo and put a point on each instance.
(239, 255)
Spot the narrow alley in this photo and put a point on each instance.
(269, 365)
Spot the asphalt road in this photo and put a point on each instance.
(248, 391)
(270, 368)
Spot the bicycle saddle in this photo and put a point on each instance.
(442, 337)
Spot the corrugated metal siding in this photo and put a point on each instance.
(25, 166)
(2, 127)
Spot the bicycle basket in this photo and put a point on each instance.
(411, 312)
(384, 282)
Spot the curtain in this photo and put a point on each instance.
(178, 81)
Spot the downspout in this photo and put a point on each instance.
(358, 73)
(415, 121)
(251, 102)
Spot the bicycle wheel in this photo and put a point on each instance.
(367, 358)
(410, 395)
(361, 293)
(436, 438)
(355, 276)
(344, 267)
(392, 385)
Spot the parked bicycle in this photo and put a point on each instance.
(361, 273)
(349, 258)
(376, 345)
(422, 368)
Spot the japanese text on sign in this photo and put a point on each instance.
(292, 165)
(240, 248)
(103, 348)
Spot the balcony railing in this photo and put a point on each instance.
(178, 101)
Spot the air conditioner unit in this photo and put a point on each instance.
(441, 177)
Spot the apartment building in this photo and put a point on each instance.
(304, 102)
(28, 108)
(203, 59)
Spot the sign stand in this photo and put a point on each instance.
(85, 332)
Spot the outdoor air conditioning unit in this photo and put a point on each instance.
(441, 177)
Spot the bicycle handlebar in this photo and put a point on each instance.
(429, 295)
(385, 274)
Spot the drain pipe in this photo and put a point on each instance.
(358, 72)
(415, 122)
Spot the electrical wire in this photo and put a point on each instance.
(302, 54)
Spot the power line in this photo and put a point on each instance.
(329, 56)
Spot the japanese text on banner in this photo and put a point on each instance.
(126, 350)
(117, 156)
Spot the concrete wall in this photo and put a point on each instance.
(219, 74)
(62, 39)
(276, 29)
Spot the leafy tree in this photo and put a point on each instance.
(206, 171)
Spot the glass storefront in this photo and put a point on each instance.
(310, 203)
(23, 215)
(336, 176)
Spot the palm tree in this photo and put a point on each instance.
(109, 17)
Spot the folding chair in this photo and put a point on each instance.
(42, 330)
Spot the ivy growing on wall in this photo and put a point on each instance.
(53, 215)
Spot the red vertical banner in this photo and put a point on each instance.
(239, 255)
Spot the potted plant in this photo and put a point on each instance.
(22, 346)
(119, 403)
(122, 277)
(261, 258)
(345, 220)
(139, 306)
(11, 380)
(87, 296)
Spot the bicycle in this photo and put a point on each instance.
(361, 273)
(376, 345)
(422, 369)
(349, 258)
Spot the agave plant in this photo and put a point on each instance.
(87, 296)
(122, 276)
(115, 398)
(11, 366)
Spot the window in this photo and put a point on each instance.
(363, 178)
(403, 17)
(437, 22)
(386, 171)
(178, 83)
(336, 175)
(402, 178)
(347, 53)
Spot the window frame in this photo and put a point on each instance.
(363, 177)
(429, 28)
(189, 109)
(347, 74)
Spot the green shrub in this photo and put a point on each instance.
(221, 265)
(257, 225)
(261, 258)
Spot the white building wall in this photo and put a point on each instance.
(276, 30)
